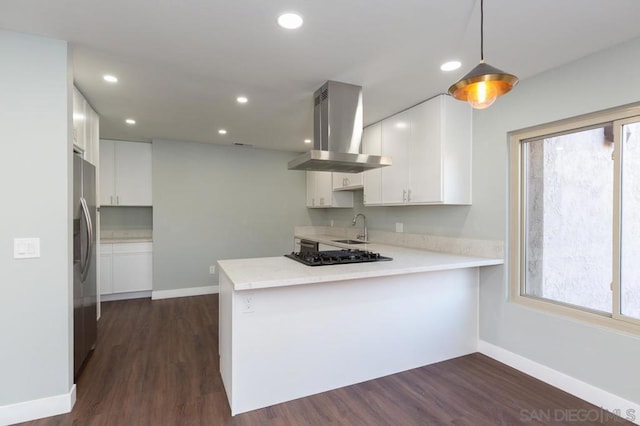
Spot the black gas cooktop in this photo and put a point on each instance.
(336, 257)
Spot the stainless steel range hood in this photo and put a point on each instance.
(337, 133)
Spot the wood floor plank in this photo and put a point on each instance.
(156, 363)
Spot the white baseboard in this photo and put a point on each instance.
(38, 408)
(596, 396)
(125, 296)
(185, 292)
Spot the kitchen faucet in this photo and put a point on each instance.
(365, 233)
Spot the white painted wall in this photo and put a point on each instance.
(214, 202)
(601, 357)
(36, 327)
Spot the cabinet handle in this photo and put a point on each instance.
(409, 196)
(347, 179)
(404, 195)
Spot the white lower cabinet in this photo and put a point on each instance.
(106, 268)
(126, 267)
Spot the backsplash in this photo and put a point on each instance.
(126, 218)
(462, 246)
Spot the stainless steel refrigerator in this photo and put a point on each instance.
(85, 323)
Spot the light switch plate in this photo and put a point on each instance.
(399, 227)
(26, 248)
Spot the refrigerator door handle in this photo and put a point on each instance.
(87, 218)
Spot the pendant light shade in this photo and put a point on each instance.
(483, 84)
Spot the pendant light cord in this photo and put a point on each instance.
(481, 30)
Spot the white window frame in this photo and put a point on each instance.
(517, 139)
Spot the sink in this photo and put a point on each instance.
(349, 241)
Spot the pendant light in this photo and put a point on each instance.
(483, 84)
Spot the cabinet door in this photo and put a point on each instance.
(347, 180)
(106, 268)
(311, 188)
(79, 119)
(92, 136)
(425, 152)
(133, 174)
(132, 267)
(107, 173)
(324, 189)
(372, 179)
(396, 133)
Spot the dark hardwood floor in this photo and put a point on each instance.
(156, 363)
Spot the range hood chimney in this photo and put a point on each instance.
(337, 133)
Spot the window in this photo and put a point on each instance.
(575, 217)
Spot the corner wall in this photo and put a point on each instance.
(36, 321)
(601, 357)
(598, 356)
(214, 202)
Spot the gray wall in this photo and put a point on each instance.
(36, 326)
(602, 357)
(215, 202)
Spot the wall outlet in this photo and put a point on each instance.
(212, 269)
(399, 227)
(331, 223)
(247, 303)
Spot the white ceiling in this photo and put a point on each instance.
(181, 64)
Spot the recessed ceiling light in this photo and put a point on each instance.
(110, 78)
(242, 99)
(307, 141)
(290, 21)
(78, 116)
(222, 131)
(402, 124)
(130, 121)
(450, 66)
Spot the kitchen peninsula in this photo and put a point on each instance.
(288, 330)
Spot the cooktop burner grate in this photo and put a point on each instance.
(336, 257)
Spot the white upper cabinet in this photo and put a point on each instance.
(430, 146)
(347, 181)
(372, 179)
(125, 173)
(92, 132)
(396, 137)
(79, 120)
(86, 125)
(320, 192)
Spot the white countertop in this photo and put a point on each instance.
(125, 240)
(126, 236)
(267, 272)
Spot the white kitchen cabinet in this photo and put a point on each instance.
(372, 179)
(430, 146)
(347, 181)
(126, 267)
(79, 120)
(320, 192)
(85, 128)
(92, 134)
(125, 173)
(106, 268)
(396, 137)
